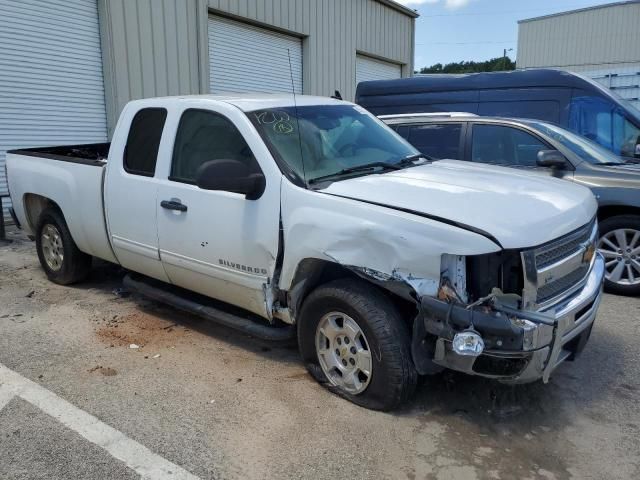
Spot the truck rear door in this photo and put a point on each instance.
(131, 190)
(218, 243)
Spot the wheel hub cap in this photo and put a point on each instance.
(621, 250)
(343, 352)
(52, 248)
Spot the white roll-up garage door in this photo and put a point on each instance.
(368, 68)
(245, 58)
(51, 83)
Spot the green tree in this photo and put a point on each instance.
(497, 64)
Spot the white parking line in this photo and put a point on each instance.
(5, 396)
(134, 455)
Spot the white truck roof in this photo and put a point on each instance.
(245, 102)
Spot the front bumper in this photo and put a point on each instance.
(521, 346)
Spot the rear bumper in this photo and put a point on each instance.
(520, 346)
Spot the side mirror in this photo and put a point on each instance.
(230, 176)
(551, 159)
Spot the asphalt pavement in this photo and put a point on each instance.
(198, 400)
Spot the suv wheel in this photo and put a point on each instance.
(620, 245)
(353, 341)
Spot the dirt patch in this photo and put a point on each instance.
(106, 371)
(139, 328)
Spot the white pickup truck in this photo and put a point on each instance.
(312, 219)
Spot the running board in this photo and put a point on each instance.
(206, 308)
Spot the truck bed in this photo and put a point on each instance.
(71, 177)
(88, 154)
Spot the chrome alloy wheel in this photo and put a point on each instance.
(343, 352)
(52, 248)
(621, 250)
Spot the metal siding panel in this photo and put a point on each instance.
(606, 35)
(244, 58)
(51, 88)
(160, 62)
(153, 49)
(334, 30)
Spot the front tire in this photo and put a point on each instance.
(353, 341)
(620, 245)
(59, 255)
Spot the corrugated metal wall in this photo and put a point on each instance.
(159, 47)
(333, 31)
(150, 48)
(582, 40)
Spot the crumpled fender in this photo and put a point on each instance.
(380, 242)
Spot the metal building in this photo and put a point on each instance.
(601, 42)
(67, 67)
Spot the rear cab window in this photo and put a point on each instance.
(143, 141)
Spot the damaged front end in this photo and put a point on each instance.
(483, 321)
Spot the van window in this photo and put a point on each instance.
(435, 140)
(546, 110)
(204, 136)
(602, 121)
(143, 142)
(504, 145)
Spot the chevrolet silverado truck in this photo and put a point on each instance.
(305, 217)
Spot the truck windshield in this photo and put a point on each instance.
(582, 147)
(331, 140)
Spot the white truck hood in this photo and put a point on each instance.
(518, 209)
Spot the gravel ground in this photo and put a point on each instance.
(222, 405)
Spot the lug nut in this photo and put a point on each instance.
(339, 340)
(337, 352)
(346, 340)
(353, 350)
(344, 362)
(352, 361)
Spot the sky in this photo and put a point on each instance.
(456, 30)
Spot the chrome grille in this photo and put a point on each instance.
(557, 287)
(556, 269)
(563, 247)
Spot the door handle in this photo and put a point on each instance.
(173, 205)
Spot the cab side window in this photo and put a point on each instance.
(204, 136)
(143, 141)
(436, 140)
(502, 145)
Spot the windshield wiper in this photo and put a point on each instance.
(367, 167)
(414, 158)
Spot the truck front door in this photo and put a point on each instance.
(218, 243)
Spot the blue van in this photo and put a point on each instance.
(566, 99)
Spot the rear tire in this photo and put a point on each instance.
(619, 239)
(373, 336)
(59, 255)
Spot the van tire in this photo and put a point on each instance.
(74, 265)
(393, 376)
(607, 227)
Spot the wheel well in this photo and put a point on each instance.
(616, 210)
(313, 272)
(34, 205)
